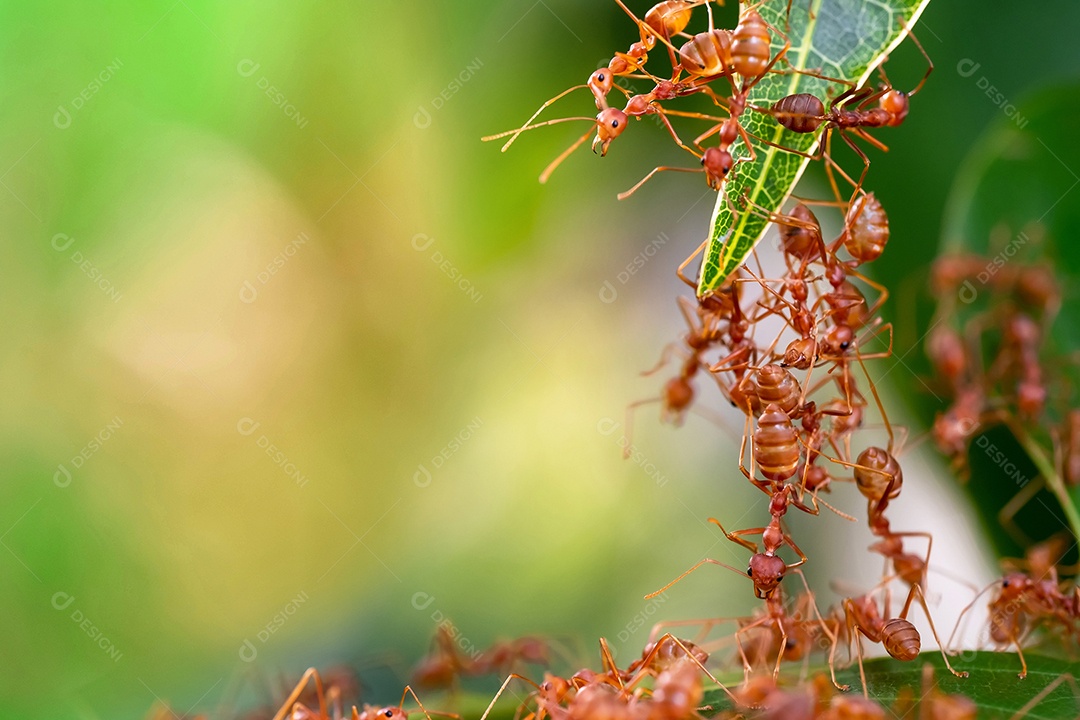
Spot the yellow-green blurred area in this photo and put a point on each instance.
(289, 353)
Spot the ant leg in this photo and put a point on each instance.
(1009, 510)
(929, 62)
(498, 136)
(736, 536)
(608, 661)
(299, 689)
(704, 625)
(662, 114)
(409, 691)
(1020, 653)
(917, 590)
(689, 654)
(565, 154)
(698, 564)
(853, 633)
(506, 682)
(524, 127)
(800, 553)
(687, 261)
(661, 168)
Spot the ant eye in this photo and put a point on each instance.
(600, 77)
(750, 572)
(614, 123)
(1004, 583)
(845, 345)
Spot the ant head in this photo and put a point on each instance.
(798, 288)
(800, 353)
(600, 82)
(817, 478)
(895, 102)
(766, 571)
(610, 123)
(717, 303)
(836, 273)
(1015, 584)
(717, 164)
(838, 339)
(384, 713)
(555, 687)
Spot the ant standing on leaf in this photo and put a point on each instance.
(295, 710)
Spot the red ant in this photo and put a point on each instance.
(765, 568)
(298, 711)
(849, 112)
(1024, 600)
(896, 634)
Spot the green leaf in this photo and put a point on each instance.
(844, 39)
(992, 684)
(1015, 201)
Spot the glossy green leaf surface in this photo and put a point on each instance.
(843, 39)
(992, 684)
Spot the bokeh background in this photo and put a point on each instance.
(294, 365)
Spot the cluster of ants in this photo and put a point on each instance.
(1010, 327)
(788, 352)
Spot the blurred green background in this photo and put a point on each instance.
(295, 364)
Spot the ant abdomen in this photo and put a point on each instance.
(801, 113)
(707, 54)
(775, 385)
(776, 444)
(901, 639)
(876, 473)
(799, 240)
(669, 18)
(750, 47)
(868, 229)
